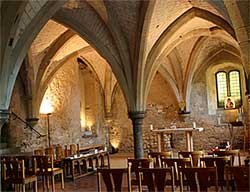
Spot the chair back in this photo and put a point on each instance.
(156, 178)
(176, 163)
(199, 178)
(73, 149)
(233, 153)
(220, 163)
(241, 177)
(50, 152)
(44, 163)
(194, 155)
(39, 151)
(29, 164)
(13, 171)
(157, 156)
(112, 177)
(59, 153)
(133, 173)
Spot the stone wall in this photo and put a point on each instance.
(162, 112)
(64, 95)
(17, 132)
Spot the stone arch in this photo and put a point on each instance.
(43, 85)
(14, 60)
(53, 49)
(42, 88)
(106, 49)
(169, 79)
(159, 47)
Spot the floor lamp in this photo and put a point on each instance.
(48, 114)
(47, 110)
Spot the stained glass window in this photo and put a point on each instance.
(228, 85)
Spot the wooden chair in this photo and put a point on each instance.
(73, 149)
(233, 153)
(156, 178)
(66, 151)
(194, 155)
(39, 151)
(104, 160)
(157, 156)
(59, 153)
(199, 178)
(176, 164)
(112, 177)
(241, 177)
(220, 163)
(29, 164)
(13, 172)
(133, 173)
(46, 169)
(49, 151)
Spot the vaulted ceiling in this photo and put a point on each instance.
(136, 38)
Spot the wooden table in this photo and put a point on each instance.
(79, 165)
(188, 131)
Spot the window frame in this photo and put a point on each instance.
(227, 72)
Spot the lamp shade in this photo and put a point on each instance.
(46, 107)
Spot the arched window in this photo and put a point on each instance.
(228, 87)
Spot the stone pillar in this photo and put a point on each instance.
(108, 124)
(137, 118)
(4, 116)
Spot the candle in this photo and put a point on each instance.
(151, 127)
(194, 125)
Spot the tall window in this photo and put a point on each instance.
(228, 86)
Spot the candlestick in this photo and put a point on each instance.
(194, 124)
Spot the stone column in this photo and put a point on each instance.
(108, 124)
(137, 118)
(4, 116)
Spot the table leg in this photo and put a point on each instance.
(191, 141)
(188, 143)
(159, 142)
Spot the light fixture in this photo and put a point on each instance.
(47, 109)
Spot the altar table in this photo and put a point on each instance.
(188, 131)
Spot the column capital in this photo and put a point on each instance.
(136, 114)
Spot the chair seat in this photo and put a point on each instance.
(55, 169)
